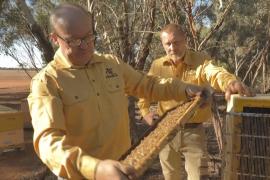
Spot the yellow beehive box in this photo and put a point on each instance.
(10, 119)
(245, 144)
(11, 128)
(27, 117)
(237, 102)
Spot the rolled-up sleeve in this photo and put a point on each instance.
(152, 87)
(217, 77)
(50, 139)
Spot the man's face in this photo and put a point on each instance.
(76, 42)
(174, 44)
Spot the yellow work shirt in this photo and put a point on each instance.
(196, 68)
(80, 113)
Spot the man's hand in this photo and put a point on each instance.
(114, 170)
(237, 87)
(150, 117)
(194, 90)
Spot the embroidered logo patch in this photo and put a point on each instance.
(109, 73)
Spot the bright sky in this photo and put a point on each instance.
(7, 61)
(20, 51)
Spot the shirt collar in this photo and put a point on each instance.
(63, 62)
(187, 59)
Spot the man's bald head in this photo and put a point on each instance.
(72, 31)
(67, 16)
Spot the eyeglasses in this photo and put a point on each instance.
(77, 42)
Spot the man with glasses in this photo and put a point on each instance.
(78, 102)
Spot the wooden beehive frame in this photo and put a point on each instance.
(142, 156)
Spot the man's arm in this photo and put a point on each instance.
(220, 79)
(144, 106)
(237, 87)
(152, 87)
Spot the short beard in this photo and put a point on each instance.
(176, 58)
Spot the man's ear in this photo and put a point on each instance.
(54, 39)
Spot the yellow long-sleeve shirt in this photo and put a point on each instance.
(196, 68)
(80, 116)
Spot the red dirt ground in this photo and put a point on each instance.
(14, 81)
(18, 164)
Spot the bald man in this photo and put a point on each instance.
(191, 67)
(78, 102)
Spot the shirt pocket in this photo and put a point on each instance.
(74, 97)
(190, 76)
(115, 84)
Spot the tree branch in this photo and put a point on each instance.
(188, 10)
(148, 39)
(217, 26)
(36, 30)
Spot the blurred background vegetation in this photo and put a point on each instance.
(236, 33)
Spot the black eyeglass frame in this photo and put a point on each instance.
(77, 42)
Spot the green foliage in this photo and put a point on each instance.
(42, 9)
(247, 27)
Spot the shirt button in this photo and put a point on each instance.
(97, 94)
(93, 80)
(117, 86)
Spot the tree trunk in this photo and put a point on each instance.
(148, 39)
(42, 41)
(133, 127)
